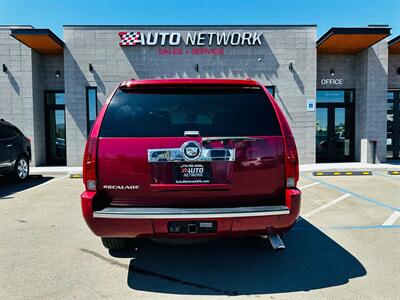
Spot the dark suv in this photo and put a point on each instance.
(15, 151)
(189, 159)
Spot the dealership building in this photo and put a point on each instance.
(340, 93)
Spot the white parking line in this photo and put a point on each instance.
(41, 185)
(326, 205)
(308, 185)
(392, 218)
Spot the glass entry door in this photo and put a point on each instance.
(334, 127)
(393, 125)
(55, 128)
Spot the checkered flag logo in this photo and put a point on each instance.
(129, 38)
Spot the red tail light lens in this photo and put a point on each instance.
(89, 165)
(291, 158)
(291, 162)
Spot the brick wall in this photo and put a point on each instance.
(281, 45)
(371, 88)
(16, 97)
(366, 72)
(44, 79)
(22, 88)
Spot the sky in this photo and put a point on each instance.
(53, 14)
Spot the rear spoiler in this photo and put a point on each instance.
(161, 82)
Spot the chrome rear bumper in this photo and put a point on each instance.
(189, 213)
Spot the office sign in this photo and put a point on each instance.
(235, 38)
(332, 81)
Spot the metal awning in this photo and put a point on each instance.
(43, 41)
(350, 40)
(394, 45)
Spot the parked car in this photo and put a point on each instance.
(15, 151)
(187, 159)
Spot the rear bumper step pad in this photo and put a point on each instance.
(189, 213)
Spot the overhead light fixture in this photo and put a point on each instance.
(58, 74)
(291, 66)
(259, 59)
(90, 68)
(5, 69)
(332, 72)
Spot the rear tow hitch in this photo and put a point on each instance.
(275, 241)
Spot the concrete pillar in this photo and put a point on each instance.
(371, 68)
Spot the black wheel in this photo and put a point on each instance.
(21, 168)
(118, 243)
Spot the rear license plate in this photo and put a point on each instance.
(189, 173)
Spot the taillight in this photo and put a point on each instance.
(89, 165)
(291, 162)
(291, 158)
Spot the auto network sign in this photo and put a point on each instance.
(135, 38)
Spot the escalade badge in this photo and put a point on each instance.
(121, 187)
(191, 150)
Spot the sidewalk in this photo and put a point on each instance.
(51, 170)
(356, 166)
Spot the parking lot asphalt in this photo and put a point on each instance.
(346, 245)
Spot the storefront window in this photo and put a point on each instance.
(335, 126)
(54, 98)
(91, 106)
(330, 96)
(271, 90)
(55, 128)
(393, 124)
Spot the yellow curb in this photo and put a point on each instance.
(74, 176)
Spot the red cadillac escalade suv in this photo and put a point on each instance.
(187, 159)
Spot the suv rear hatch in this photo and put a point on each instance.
(191, 146)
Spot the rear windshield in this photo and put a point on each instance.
(169, 112)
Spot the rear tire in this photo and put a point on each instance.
(117, 243)
(21, 169)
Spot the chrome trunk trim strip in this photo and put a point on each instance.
(189, 213)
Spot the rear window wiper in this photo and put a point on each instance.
(226, 139)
